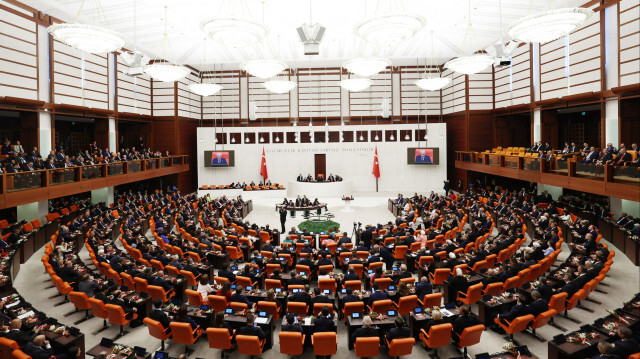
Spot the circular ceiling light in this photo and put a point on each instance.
(263, 69)
(88, 38)
(280, 86)
(205, 90)
(233, 32)
(549, 25)
(166, 72)
(469, 65)
(355, 85)
(366, 66)
(389, 30)
(432, 83)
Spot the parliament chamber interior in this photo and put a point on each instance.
(319, 178)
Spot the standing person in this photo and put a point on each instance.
(447, 187)
(283, 218)
(460, 186)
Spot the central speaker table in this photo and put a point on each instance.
(319, 189)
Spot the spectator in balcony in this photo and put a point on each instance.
(610, 149)
(94, 147)
(591, 156)
(586, 148)
(7, 149)
(17, 148)
(29, 167)
(547, 147)
(623, 156)
(605, 157)
(535, 148)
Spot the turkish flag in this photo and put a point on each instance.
(263, 166)
(376, 166)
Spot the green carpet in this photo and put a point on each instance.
(318, 227)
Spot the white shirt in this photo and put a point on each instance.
(204, 290)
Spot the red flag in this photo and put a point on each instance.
(376, 166)
(263, 166)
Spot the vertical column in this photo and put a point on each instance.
(102, 195)
(112, 134)
(29, 212)
(396, 88)
(244, 98)
(44, 94)
(345, 108)
(554, 191)
(294, 97)
(611, 109)
(536, 125)
(112, 78)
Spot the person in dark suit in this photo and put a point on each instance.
(227, 273)
(219, 160)
(399, 331)
(569, 287)
(159, 315)
(239, 298)
(376, 294)
(465, 320)
(367, 330)
(319, 297)
(39, 348)
(283, 218)
(349, 297)
(16, 333)
(424, 287)
(517, 310)
(591, 156)
(606, 352)
(300, 178)
(302, 296)
(623, 156)
(351, 275)
(538, 305)
(324, 321)
(291, 325)
(545, 290)
(627, 345)
(251, 329)
(422, 157)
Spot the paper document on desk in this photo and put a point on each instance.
(261, 320)
(445, 312)
(307, 321)
(27, 314)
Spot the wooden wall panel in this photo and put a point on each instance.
(189, 103)
(629, 42)
(456, 141)
(163, 98)
(414, 100)
(18, 56)
(368, 103)
(513, 84)
(270, 105)
(319, 92)
(481, 90)
(480, 132)
(79, 78)
(584, 62)
(134, 93)
(453, 95)
(226, 103)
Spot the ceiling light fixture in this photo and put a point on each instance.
(428, 81)
(355, 85)
(366, 66)
(264, 69)
(203, 88)
(549, 25)
(389, 30)
(471, 64)
(280, 86)
(162, 70)
(231, 29)
(94, 39)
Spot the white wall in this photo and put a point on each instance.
(353, 161)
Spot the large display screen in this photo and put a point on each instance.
(219, 159)
(423, 156)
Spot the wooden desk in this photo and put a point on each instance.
(65, 342)
(450, 295)
(239, 321)
(574, 350)
(416, 323)
(309, 330)
(95, 351)
(383, 326)
(487, 310)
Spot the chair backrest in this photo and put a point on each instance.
(291, 343)
(352, 307)
(543, 318)
(317, 307)
(401, 347)
(157, 292)
(558, 301)
(269, 307)
(353, 284)
(219, 338)
(217, 302)
(383, 282)
(271, 267)
(441, 274)
(479, 265)
(297, 308)
(432, 300)
(382, 306)
(194, 297)
(302, 268)
(79, 300)
(474, 293)
(325, 343)
(238, 306)
(471, 335)
(400, 251)
(573, 301)
(182, 333)
(327, 283)
(249, 345)
(272, 283)
(19, 354)
(141, 284)
(97, 308)
(493, 288)
(406, 304)
(7, 345)
(156, 329)
(520, 323)
(367, 346)
(439, 335)
(243, 281)
(511, 283)
(357, 268)
(116, 315)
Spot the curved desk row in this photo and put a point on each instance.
(319, 189)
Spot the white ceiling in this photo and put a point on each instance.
(447, 18)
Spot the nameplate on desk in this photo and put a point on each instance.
(261, 320)
(446, 313)
(12, 304)
(27, 314)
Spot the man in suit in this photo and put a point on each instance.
(319, 297)
(623, 156)
(16, 333)
(159, 315)
(324, 321)
(627, 345)
(424, 287)
(239, 298)
(605, 157)
(367, 330)
(219, 160)
(399, 331)
(300, 178)
(291, 325)
(465, 320)
(534, 148)
(376, 294)
(283, 218)
(517, 310)
(422, 157)
(569, 287)
(606, 351)
(39, 348)
(538, 305)
(251, 329)
(302, 296)
(349, 297)
(331, 178)
(591, 156)
(351, 275)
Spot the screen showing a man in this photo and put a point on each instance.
(220, 159)
(424, 155)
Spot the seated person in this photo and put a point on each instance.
(349, 297)
(159, 315)
(399, 331)
(376, 294)
(324, 321)
(606, 351)
(291, 325)
(465, 320)
(183, 317)
(239, 298)
(367, 330)
(517, 310)
(251, 328)
(436, 318)
(627, 345)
